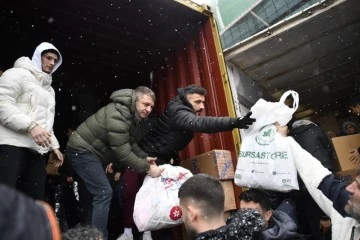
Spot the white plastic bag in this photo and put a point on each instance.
(266, 160)
(157, 203)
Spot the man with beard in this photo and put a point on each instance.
(202, 206)
(171, 133)
(338, 201)
(175, 128)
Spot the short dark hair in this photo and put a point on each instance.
(142, 90)
(257, 196)
(355, 101)
(83, 233)
(51, 51)
(191, 89)
(206, 191)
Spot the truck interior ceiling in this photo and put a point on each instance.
(315, 52)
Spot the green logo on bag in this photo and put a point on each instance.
(266, 135)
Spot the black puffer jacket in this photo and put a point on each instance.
(175, 128)
(244, 224)
(311, 138)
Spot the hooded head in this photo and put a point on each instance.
(45, 48)
(349, 128)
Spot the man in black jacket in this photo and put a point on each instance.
(172, 131)
(175, 128)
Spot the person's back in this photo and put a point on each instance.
(312, 138)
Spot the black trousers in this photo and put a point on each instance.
(24, 170)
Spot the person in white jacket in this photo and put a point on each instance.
(27, 110)
(340, 202)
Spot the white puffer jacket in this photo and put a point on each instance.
(313, 173)
(26, 96)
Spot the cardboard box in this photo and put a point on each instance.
(342, 146)
(347, 176)
(217, 163)
(229, 203)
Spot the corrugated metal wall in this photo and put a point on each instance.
(196, 63)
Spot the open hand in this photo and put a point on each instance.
(41, 136)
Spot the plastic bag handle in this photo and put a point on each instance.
(294, 95)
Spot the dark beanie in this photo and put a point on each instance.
(24, 218)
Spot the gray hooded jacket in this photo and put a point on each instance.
(112, 132)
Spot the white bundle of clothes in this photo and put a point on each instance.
(157, 203)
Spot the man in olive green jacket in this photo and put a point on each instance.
(110, 136)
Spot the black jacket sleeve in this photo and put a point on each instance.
(185, 120)
(335, 190)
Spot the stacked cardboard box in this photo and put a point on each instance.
(217, 163)
(342, 146)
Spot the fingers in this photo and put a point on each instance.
(117, 176)
(248, 115)
(109, 169)
(69, 179)
(58, 163)
(151, 159)
(248, 118)
(41, 136)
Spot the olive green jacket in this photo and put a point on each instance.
(112, 133)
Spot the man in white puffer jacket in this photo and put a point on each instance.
(340, 202)
(27, 110)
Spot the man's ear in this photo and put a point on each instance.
(268, 215)
(193, 213)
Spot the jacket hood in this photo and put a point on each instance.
(36, 58)
(301, 126)
(182, 97)
(26, 63)
(243, 224)
(300, 129)
(44, 78)
(345, 124)
(299, 123)
(281, 227)
(126, 97)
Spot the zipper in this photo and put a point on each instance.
(352, 233)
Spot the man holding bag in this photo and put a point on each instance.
(110, 136)
(340, 202)
(174, 129)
